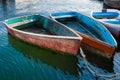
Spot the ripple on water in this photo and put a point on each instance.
(3, 35)
(16, 66)
(117, 63)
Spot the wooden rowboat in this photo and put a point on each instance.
(110, 18)
(96, 38)
(44, 32)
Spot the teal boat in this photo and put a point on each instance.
(110, 18)
(96, 38)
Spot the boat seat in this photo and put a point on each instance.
(67, 16)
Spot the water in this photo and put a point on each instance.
(23, 61)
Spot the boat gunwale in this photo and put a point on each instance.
(115, 10)
(101, 42)
(77, 37)
(108, 24)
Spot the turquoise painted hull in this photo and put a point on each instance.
(96, 38)
(111, 22)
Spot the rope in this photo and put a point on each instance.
(110, 76)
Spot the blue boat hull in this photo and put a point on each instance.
(93, 33)
(112, 22)
(105, 14)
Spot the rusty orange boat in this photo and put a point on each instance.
(44, 32)
(96, 38)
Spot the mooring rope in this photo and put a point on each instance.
(106, 77)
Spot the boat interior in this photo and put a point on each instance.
(40, 25)
(85, 25)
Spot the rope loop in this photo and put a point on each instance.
(106, 77)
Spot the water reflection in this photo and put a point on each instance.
(65, 63)
(22, 61)
(100, 62)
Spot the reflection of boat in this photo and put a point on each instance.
(96, 38)
(113, 3)
(66, 63)
(110, 18)
(44, 32)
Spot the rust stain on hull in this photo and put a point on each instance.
(70, 46)
(98, 47)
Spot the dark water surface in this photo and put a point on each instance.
(23, 61)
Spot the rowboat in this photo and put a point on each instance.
(96, 38)
(113, 3)
(110, 18)
(42, 31)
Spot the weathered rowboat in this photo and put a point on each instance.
(113, 3)
(110, 18)
(44, 32)
(96, 38)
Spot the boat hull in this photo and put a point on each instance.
(69, 45)
(97, 47)
(111, 23)
(113, 28)
(90, 44)
(113, 3)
